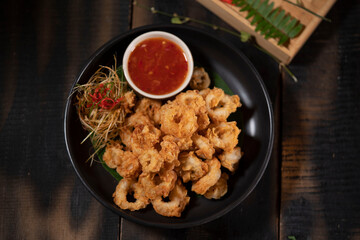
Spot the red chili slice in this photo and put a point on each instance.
(227, 1)
(107, 103)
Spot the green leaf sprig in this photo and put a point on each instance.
(270, 22)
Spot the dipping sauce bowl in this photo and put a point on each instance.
(158, 64)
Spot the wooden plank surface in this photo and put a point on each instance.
(256, 217)
(320, 141)
(43, 45)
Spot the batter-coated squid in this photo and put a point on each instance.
(144, 137)
(150, 108)
(178, 200)
(193, 100)
(204, 147)
(125, 162)
(151, 161)
(220, 105)
(230, 159)
(224, 135)
(177, 120)
(219, 189)
(185, 140)
(210, 179)
(191, 167)
(158, 184)
(128, 186)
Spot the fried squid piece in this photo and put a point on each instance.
(125, 136)
(230, 160)
(219, 189)
(129, 101)
(144, 137)
(127, 187)
(178, 201)
(150, 108)
(191, 99)
(220, 105)
(138, 118)
(205, 92)
(157, 184)
(224, 135)
(113, 154)
(203, 145)
(191, 167)
(151, 161)
(183, 143)
(170, 152)
(210, 178)
(200, 79)
(125, 162)
(203, 121)
(177, 120)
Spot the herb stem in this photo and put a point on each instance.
(289, 72)
(153, 10)
(308, 10)
(292, 75)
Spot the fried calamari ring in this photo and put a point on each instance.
(178, 201)
(138, 118)
(170, 152)
(224, 135)
(203, 121)
(125, 162)
(151, 108)
(205, 148)
(125, 136)
(192, 99)
(230, 160)
(177, 120)
(113, 154)
(157, 184)
(129, 101)
(183, 143)
(151, 161)
(127, 186)
(191, 167)
(200, 79)
(205, 92)
(144, 137)
(210, 178)
(220, 105)
(219, 189)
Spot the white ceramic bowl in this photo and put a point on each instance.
(168, 36)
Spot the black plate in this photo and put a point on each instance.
(257, 131)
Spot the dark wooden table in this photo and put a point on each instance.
(310, 190)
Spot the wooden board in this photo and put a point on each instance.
(286, 53)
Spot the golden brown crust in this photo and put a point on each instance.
(186, 140)
(209, 179)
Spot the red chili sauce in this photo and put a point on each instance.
(157, 66)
